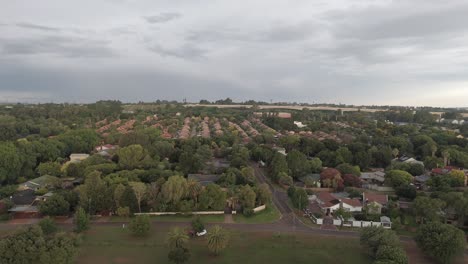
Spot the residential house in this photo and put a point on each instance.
(374, 202)
(406, 159)
(421, 180)
(310, 180)
(24, 204)
(373, 177)
(329, 202)
(40, 182)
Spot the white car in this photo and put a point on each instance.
(202, 233)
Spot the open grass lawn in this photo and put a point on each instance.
(269, 215)
(175, 218)
(106, 244)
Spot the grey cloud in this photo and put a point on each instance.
(400, 22)
(37, 27)
(59, 45)
(162, 18)
(185, 52)
(128, 84)
(277, 33)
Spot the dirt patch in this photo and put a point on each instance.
(228, 219)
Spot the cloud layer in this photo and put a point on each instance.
(360, 52)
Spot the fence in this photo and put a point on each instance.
(337, 222)
(259, 209)
(182, 213)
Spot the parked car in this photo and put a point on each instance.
(202, 233)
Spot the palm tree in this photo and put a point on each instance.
(446, 155)
(194, 189)
(218, 239)
(177, 238)
(433, 149)
(395, 152)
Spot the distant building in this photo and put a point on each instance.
(78, 157)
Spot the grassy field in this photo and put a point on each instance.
(269, 215)
(105, 244)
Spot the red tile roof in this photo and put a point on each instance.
(372, 197)
(352, 202)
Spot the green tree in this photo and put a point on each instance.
(140, 225)
(248, 175)
(179, 255)
(174, 189)
(30, 245)
(118, 194)
(139, 188)
(297, 164)
(48, 225)
(212, 198)
(95, 195)
(398, 178)
(300, 199)
(344, 155)
(247, 197)
(49, 168)
(177, 238)
(10, 162)
(194, 189)
(133, 157)
(218, 239)
(427, 209)
(374, 238)
(457, 178)
(315, 165)
(263, 193)
(391, 254)
(347, 168)
(442, 242)
(278, 166)
(55, 205)
(81, 220)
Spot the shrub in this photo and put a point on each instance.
(140, 225)
(123, 211)
(197, 224)
(81, 220)
(48, 225)
(248, 212)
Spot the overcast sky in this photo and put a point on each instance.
(401, 52)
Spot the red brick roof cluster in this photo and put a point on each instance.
(218, 128)
(127, 127)
(184, 133)
(205, 128)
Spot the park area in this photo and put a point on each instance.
(113, 244)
